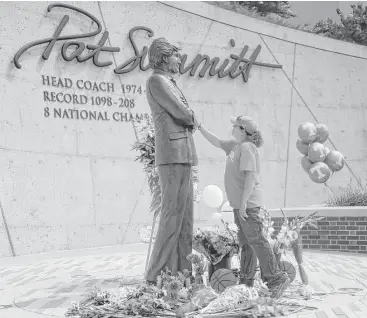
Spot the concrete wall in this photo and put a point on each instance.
(73, 183)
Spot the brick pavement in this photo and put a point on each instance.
(46, 285)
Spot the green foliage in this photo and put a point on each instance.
(265, 8)
(352, 28)
(351, 195)
(245, 10)
(146, 148)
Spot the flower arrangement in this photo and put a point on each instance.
(184, 295)
(141, 300)
(289, 237)
(215, 244)
(199, 267)
(289, 231)
(170, 294)
(174, 287)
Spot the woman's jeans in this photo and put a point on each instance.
(252, 241)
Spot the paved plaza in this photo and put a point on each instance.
(45, 285)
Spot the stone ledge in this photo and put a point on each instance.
(322, 211)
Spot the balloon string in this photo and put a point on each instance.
(329, 189)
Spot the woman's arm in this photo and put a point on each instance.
(226, 145)
(249, 168)
(209, 136)
(250, 178)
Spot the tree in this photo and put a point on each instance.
(352, 28)
(265, 8)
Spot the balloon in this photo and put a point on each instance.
(306, 164)
(212, 196)
(319, 172)
(327, 150)
(307, 132)
(316, 152)
(335, 160)
(226, 207)
(302, 147)
(322, 133)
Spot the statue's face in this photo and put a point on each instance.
(173, 63)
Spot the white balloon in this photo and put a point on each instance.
(226, 207)
(212, 196)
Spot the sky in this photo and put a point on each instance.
(310, 12)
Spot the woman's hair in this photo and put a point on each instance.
(256, 138)
(159, 49)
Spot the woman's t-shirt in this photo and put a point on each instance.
(241, 158)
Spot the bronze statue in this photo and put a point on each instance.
(175, 154)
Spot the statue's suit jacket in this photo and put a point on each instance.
(173, 121)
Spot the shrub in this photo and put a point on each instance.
(265, 8)
(351, 195)
(352, 28)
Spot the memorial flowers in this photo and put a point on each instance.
(185, 295)
(140, 300)
(289, 231)
(151, 301)
(215, 244)
(289, 237)
(199, 266)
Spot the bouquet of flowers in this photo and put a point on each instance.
(140, 300)
(215, 244)
(198, 265)
(289, 232)
(289, 237)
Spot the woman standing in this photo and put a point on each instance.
(243, 188)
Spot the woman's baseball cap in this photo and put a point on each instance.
(246, 122)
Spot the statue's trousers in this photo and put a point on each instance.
(173, 241)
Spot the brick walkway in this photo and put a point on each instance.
(46, 285)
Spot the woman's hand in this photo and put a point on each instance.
(243, 213)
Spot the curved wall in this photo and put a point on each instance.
(68, 177)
